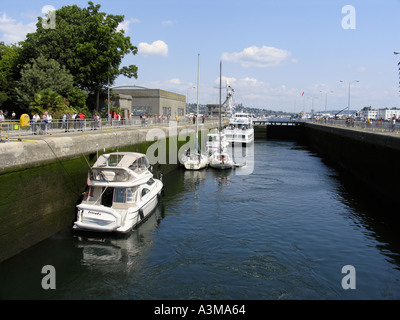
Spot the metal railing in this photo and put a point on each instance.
(60, 126)
(373, 126)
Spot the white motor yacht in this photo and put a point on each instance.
(240, 129)
(121, 193)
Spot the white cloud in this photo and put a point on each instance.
(48, 8)
(12, 31)
(257, 57)
(175, 81)
(124, 25)
(157, 48)
(167, 22)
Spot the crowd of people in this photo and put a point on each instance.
(43, 123)
(4, 115)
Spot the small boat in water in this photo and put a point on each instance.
(121, 193)
(213, 143)
(195, 159)
(221, 160)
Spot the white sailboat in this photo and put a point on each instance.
(213, 142)
(195, 160)
(221, 159)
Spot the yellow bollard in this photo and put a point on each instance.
(24, 120)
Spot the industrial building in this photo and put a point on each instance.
(136, 101)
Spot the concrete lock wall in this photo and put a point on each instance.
(42, 181)
(371, 158)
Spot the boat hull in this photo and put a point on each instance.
(221, 166)
(221, 161)
(240, 136)
(194, 163)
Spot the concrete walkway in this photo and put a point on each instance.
(33, 150)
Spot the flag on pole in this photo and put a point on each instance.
(303, 91)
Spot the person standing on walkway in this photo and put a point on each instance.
(35, 120)
(1, 116)
(393, 122)
(81, 117)
(46, 122)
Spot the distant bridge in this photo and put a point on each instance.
(277, 128)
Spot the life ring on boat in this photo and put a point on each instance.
(141, 215)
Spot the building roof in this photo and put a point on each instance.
(131, 88)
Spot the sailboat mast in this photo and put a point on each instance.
(220, 88)
(197, 116)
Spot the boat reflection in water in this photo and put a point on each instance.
(118, 252)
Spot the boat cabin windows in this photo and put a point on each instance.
(145, 191)
(125, 195)
(120, 195)
(108, 196)
(150, 182)
(140, 164)
(114, 159)
(131, 195)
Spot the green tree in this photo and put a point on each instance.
(41, 74)
(8, 71)
(87, 42)
(48, 100)
(77, 99)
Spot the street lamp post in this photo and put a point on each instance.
(326, 97)
(348, 99)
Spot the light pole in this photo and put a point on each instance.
(326, 97)
(312, 103)
(348, 100)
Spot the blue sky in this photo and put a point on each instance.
(271, 51)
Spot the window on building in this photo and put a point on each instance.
(137, 111)
(166, 111)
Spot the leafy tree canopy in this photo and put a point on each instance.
(42, 74)
(8, 71)
(85, 41)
